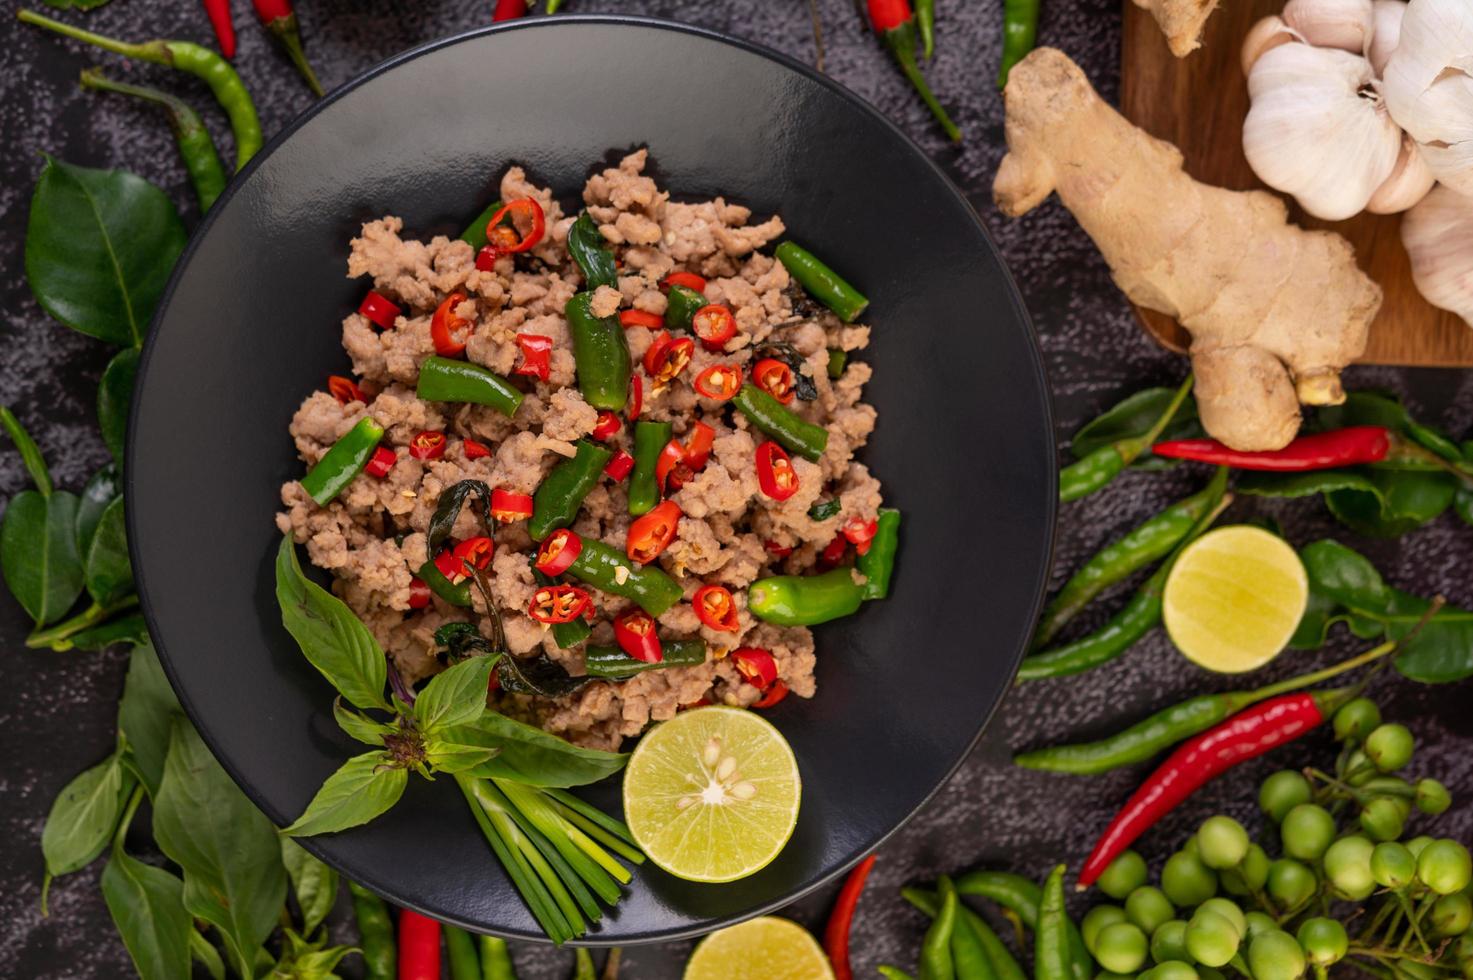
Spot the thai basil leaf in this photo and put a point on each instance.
(108, 573)
(781, 350)
(114, 395)
(1132, 418)
(360, 727)
(100, 245)
(446, 755)
(455, 696)
(367, 785)
(147, 906)
(100, 491)
(1402, 501)
(85, 816)
(146, 715)
(203, 952)
(594, 257)
(332, 638)
(462, 640)
(534, 757)
(314, 884)
(129, 628)
(540, 675)
(822, 510)
(38, 553)
(452, 499)
(30, 453)
(228, 850)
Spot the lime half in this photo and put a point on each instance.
(763, 949)
(712, 794)
(1234, 598)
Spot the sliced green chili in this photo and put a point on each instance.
(680, 307)
(456, 595)
(375, 934)
(805, 600)
(821, 282)
(594, 257)
(601, 353)
(344, 461)
(496, 959)
(475, 232)
(1082, 478)
(598, 564)
(936, 962)
(442, 379)
(464, 963)
(782, 426)
(611, 663)
(877, 564)
(650, 439)
(565, 635)
(1051, 948)
(556, 501)
(838, 360)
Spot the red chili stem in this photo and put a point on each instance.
(894, 22)
(219, 13)
(836, 933)
(419, 947)
(1353, 446)
(280, 21)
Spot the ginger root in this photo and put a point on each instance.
(1181, 21)
(1274, 311)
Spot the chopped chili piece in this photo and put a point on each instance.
(776, 693)
(652, 533)
(382, 460)
(508, 10)
(344, 390)
(640, 318)
(448, 329)
(634, 631)
(636, 396)
(476, 551)
(833, 552)
(778, 550)
(716, 608)
(715, 325)
(687, 279)
(451, 567)
(558, 552)
(698, 446)
(719, 381)
(756, 666)
(619, 467)
(860, 532)
(501, 240)
(775, 378)
(475, 450)
(554, 604)
(666, 357)
(607, 427)
(507, 507)
(678, 463)
(668, 459)
(379, 309)
(775, 474)
(427, 445)
(536, 355)
(419, 593)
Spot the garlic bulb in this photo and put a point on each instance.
(1408, 183)
(1263, 37)
(1317, 130)
(1386, 18)
(1438, 234)
(1343, 24)
(1428, 86)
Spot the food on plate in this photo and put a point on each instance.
(1274, 311)
(766, 948)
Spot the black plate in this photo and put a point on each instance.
(250, 325)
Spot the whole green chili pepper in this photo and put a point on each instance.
(838, 360)
(196, 149)
(1118, 560)
(583, 965)
(565, 635)
(936, 963)
(681, 304)
(601, 353)
(999, 959)
(821, 282)
(1094, 471)
(495, 959)
(893, 972)
(375, 934)
(201, 62)
(968, 956)
(788, 430)
(344, 461)
(877, 564)
(1052, 953)
(926, 23)
(614, 664)
(444, 380)
(648, 586)
(805, 600)
(1019, 27)
(593, 255)
(456, 595)
(475, 232)
(464, 963)
(650, 439)
(557, 499)
(1022, 898)
(1124, 628)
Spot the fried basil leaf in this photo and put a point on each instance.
(452, 499)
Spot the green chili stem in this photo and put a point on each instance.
(155, 51)
(1130, 449)
(56, 636)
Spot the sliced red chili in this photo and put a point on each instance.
(528, 225)
(449, 330)
(634, 631)
(427, 445)
(636, 396)
(714, 324)
(379, 309)
(554, 604)
(619, 467)
(667, 357)
(756, 666)
(344, 390)
(640, 318)
(536, 355)
(382, 460)
(507, 506)
(677, 463)
(775, 474)
(778, 550)
(833, 552)
(652, 533)
(775, 693)
(475, 551)
(419, 593)
(475, 450)
(558, 552)
(698, 446)
(687, 279)
(667, 461)
(716, 608)
(607, 426)
(775, 378)
(859, 532)
(719, 381)
(451, 567)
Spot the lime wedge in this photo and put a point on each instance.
(1234, 598)
(712, 794)
(763, 949)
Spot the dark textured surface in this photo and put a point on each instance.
(58, 714)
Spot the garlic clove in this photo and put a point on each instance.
(1386, 18)
(1428, 86)
(1343, 24)
(1408, 183)
(1263, 37)
(1438, 235)
(1317, 130)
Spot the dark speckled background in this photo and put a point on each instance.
(57, 711)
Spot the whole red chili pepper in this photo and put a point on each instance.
(895, 23)
(836, 933)
(419, 947)
(1351, 446)
(1246, 735)
(219, 13)
(280, 21)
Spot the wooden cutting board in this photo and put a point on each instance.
(1199, 103)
